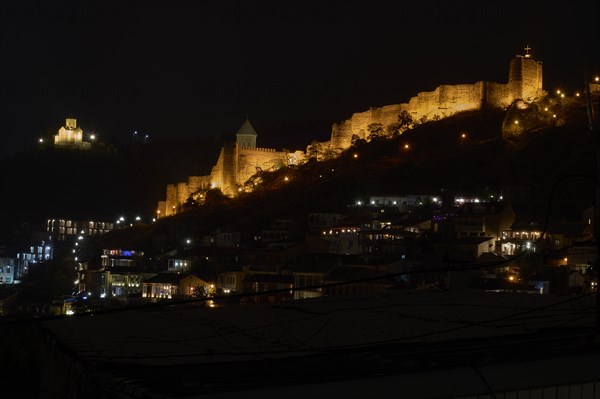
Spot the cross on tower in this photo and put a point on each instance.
(527, 48)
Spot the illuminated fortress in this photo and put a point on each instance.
(524, 83)
(239, 161)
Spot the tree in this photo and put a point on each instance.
(314, 150)
(215, 197)
(405, 121)
(354, 140)
(376, 131)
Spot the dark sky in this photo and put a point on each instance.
(184, 69)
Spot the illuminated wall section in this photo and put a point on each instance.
(524, 82)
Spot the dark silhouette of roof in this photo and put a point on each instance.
(168, 278)
(347, 273)
(269, 278)
(247, 129)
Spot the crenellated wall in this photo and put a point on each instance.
(239, 161)
(524, 82)
(233, 168)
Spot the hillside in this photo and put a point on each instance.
(53, 183)
(437, 161)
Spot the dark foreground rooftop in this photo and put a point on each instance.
(397, 344)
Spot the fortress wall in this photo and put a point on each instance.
(216, 174)
(161, 209)
(251, 158)
(359, 122)
(497, 95)
(444, 101)
(458, 98)
(341, 134)
(182, 193)
(171, 200)
(196, 183)
(230, 161)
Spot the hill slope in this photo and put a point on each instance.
(438, 160)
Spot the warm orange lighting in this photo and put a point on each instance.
(562, 95)
(464, 135)
(93, 137)
(516, 122)
(596, 78)
(355, 155)
(554, 116)
(511, 278)
(566, 259)
(557, 91)
(406, 146)
(546, 109)
(286, 178)
(576, 94)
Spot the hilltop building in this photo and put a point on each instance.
(524, 83)
(237, 162)
(71, 137)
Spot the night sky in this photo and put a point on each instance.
(185, 69)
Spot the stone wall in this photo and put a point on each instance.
(196, 183)
(444, 101)
(171, 200)
(249, 159)
(524, 82)
(236, 164)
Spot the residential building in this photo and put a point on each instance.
(171, 285)
(7, 270)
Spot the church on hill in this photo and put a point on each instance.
(238, 161)
(71, 137)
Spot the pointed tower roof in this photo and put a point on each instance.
(247, 129)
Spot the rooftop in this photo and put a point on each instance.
(413, 342)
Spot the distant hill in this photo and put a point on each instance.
(53, 183)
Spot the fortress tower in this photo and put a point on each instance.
(238, 161)
(246, 136)
(525, 77)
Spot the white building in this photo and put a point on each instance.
(7, 270)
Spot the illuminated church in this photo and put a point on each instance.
(71, 137)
